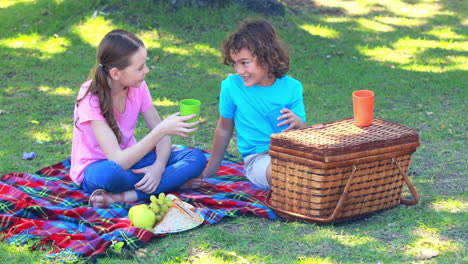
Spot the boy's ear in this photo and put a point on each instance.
(114, 73)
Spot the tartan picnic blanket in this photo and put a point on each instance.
(47, 209)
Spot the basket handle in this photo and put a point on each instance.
(409, 184)
(332, 217)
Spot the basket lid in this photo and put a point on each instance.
(344, 137)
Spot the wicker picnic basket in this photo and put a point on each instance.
(338, 171)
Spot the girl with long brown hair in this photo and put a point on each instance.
(106, 160)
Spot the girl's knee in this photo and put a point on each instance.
(104, 175)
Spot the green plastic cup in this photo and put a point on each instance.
(188, 107)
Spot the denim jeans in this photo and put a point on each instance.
(182, 166)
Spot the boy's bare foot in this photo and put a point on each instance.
(192, 184)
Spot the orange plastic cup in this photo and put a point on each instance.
(363, 106)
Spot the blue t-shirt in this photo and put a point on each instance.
(256, 108)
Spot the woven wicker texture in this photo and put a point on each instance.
(305, 190)
(344, 137)
(352, 186)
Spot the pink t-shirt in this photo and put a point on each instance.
(85, 148)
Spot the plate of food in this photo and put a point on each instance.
(180, 216)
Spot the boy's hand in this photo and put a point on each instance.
(288, 117)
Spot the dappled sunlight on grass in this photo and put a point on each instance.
(430, 238)
(350, 240)
(218, 72)
(464, 22)
(445, 32)
(92, 31)
(401, 21)
(313, 238)
(44, 88)
(10, 252)
(204, 49)
(7, 3)
(178, 50)
(336, 19)
(57, 132)
(216, 256)
(351, 7)
(165, 102)
(420, 45)
(449, 205)
(151, 39)
(416, 54)
(430, 68)
(342, 238)
(421, 9)
(67, 130)
(419, 55)
(315, 260)
(321, 31)
(64, 91)
(386, 54)
(373, 26)
(40, 136)
(198, 49)
(46, 45)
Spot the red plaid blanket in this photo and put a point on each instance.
(47, 208)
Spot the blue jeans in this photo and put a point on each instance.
(181, 167)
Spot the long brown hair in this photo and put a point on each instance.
(114, 51)
(260, 38)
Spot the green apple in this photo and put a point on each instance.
(144, 217)
(135, 209)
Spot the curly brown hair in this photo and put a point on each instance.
(260, 38)
(114, 51)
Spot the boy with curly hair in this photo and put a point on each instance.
(259, 100)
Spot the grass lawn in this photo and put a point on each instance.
(411, 53)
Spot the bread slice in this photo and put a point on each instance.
(180, 216)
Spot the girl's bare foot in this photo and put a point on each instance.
(100, 198)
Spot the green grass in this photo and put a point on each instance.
(412, 54)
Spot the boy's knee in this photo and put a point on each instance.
(194, 154)
(199, 157)
(200, 154)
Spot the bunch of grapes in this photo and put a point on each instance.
(160, 205)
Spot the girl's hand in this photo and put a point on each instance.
(151, 180)
(176, 125)
(288, 117)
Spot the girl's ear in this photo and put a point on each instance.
(114, 73)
